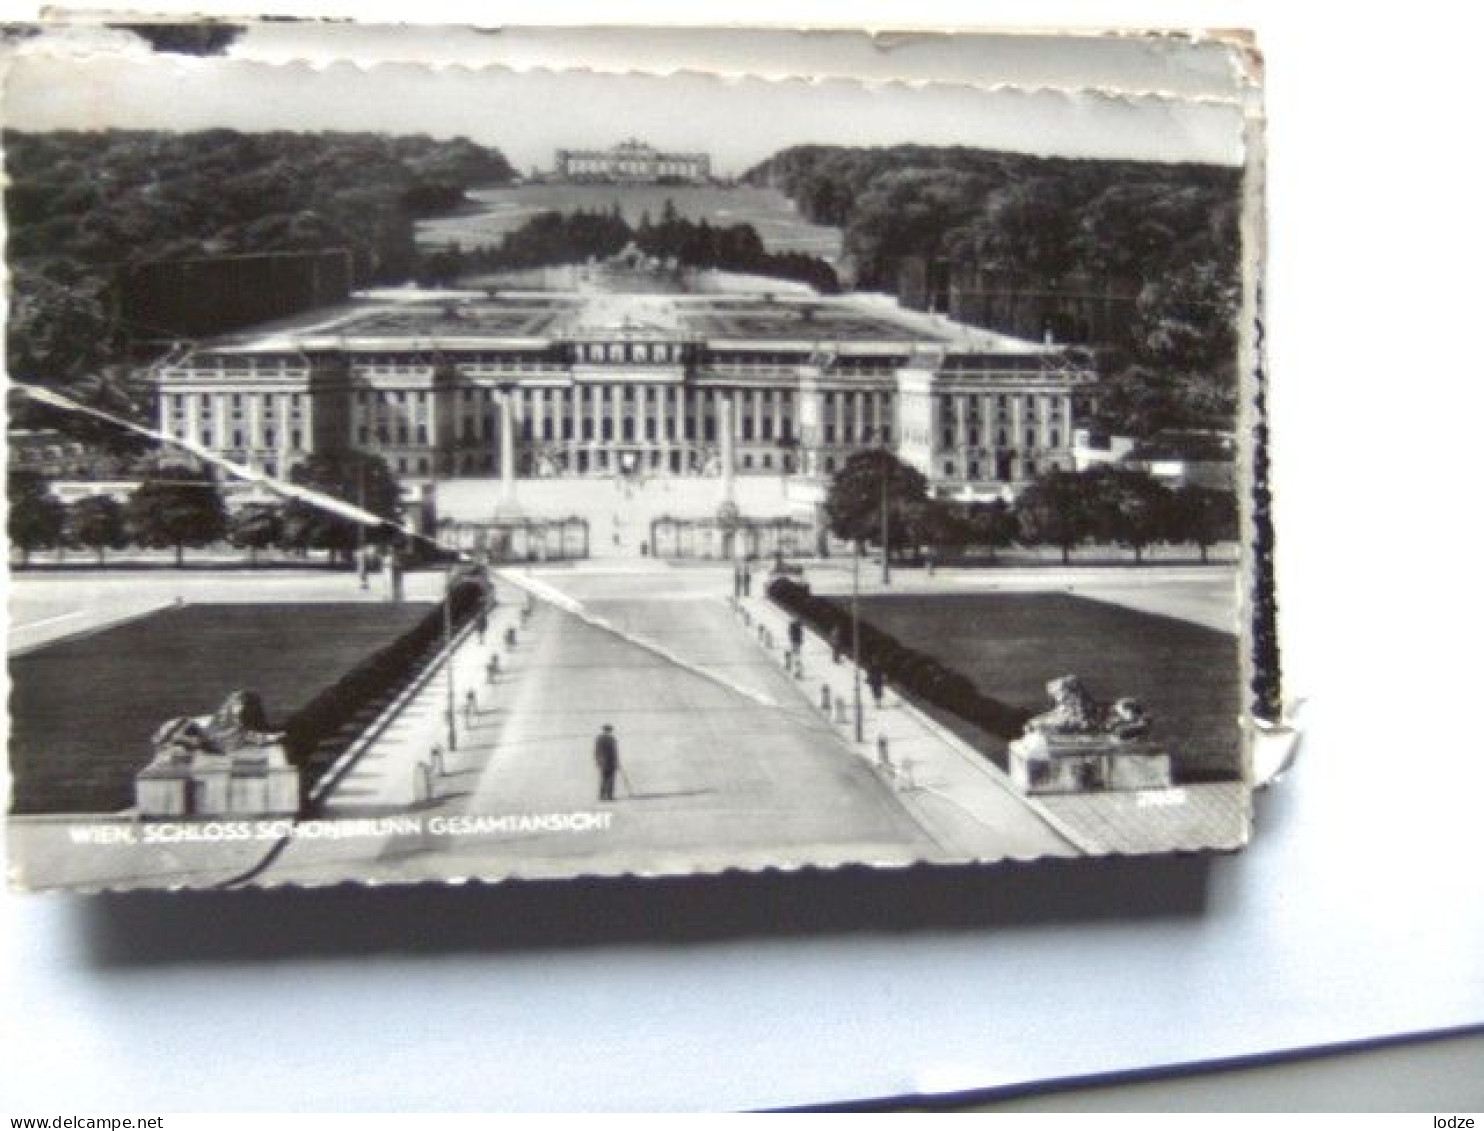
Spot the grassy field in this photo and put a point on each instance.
(1012, 644)
(82, 710)
(502, 210)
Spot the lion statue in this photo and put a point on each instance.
(1073, 709)
(239, 722)
(1075, 712)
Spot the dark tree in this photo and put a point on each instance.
(97, 522)
(1204, 516)
(1056, 510)
(853, 506)
(176, 507)
(255, 527)
(992, 525)
(36, 516)
(352, 476)
(1128, 507)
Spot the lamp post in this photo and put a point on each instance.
(453, 739)
(885, 524)
(855, 638)
(361, 527)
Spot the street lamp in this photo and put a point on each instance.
(453, 738)
(855, 638)
(885, 524)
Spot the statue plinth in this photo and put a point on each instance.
(218, 765)
(1077, 747)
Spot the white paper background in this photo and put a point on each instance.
(1358, 911)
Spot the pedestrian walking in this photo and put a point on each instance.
(471, 708)
(877, 682)
(837, 643)
(481, 626)
(605, 753)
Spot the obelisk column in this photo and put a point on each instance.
(507, 503)
(725, 424)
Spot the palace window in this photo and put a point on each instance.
(422, 433)
(294, 438)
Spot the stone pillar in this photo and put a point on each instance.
(809, 419)
(726, 426)
(661, 420)
(961, 431)
(193, 416)
(1017, 436)
(507, 503)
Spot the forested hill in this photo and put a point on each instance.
(1036, 216)
(1164, 235)
(82, 205)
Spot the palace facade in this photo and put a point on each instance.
(633, 161)
(545, 384)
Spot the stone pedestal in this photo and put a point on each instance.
(1052, 763)
(249, 782)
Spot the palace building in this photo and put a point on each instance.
(633, 161)
(516, 385)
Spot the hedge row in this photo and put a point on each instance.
(379, 676)
(916, 673)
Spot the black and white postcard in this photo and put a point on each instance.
(422, 473)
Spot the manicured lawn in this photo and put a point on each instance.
(82, 711)
(1012, 645)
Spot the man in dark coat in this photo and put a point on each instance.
(605, 752)
(795, 634)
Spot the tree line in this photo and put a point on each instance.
(1166, 234)
(553, 238)
(1107, 504)
(80, 206)
(176, 507)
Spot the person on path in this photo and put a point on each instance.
(605, 752)
(481, 626)
(877, 683)
(795, 635)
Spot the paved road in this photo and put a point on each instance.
(726, 764)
